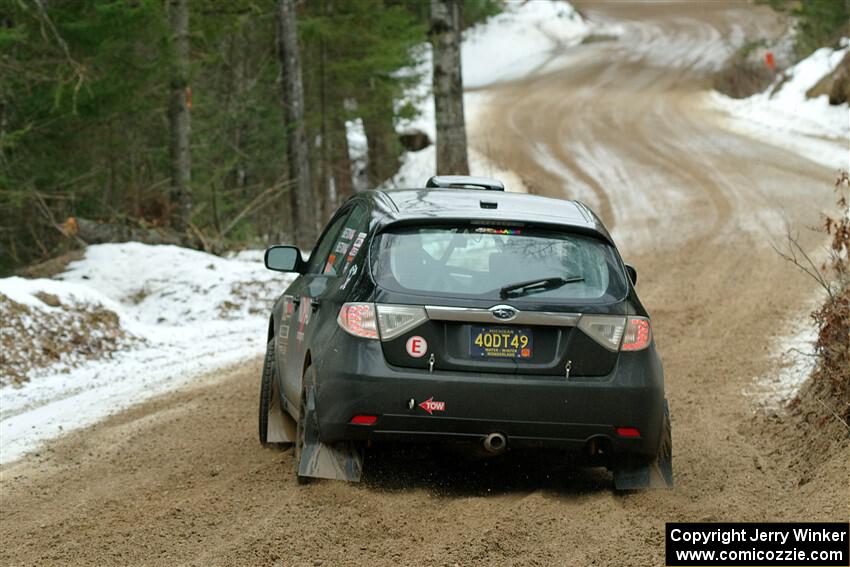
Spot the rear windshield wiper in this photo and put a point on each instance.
(542, 284)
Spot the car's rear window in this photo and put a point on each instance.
(478, 261)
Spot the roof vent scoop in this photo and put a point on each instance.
(465, 182)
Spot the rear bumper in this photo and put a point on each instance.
(531, 411)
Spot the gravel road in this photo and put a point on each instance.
(181, 480)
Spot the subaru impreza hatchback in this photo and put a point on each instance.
(462, 313)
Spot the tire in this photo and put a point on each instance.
(266, 392)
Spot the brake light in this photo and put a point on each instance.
(395, 320)
(364, 420)
(358, 319)
(628, 432)
(638, 334)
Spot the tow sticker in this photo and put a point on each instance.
(431, 406)
(416, 346)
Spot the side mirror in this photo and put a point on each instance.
(632, 273)
(285, 259)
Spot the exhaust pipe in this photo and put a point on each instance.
(495, 443)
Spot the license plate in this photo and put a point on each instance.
(500, 342)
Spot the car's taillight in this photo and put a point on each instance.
(606, 330)
(359, 319)
(395, 320)
(364, 420)
(617, 333)
(638, 334)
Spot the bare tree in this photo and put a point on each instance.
(303, 202)
(178, 115)
(445, 34)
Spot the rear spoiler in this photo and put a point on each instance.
(462, 218)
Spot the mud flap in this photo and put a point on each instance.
(281, 427)
(338, 461)
(654, 474)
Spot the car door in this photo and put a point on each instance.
(307, 294)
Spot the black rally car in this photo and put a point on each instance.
(460, 312)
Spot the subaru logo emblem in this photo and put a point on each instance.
(503, 312)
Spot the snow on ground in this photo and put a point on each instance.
(510, 45)
(784, 116)
(794, 359)
(64, 326)
(417, 167)
(183, 312)
(358, 152)
(516, 43)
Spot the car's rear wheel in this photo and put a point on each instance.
(266, 392)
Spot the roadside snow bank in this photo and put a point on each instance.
(518, 41)
(51, 326)
(171, 314)
(784, 116)
(793, 356)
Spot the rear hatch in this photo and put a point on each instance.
(498, 299)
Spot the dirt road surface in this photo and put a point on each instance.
(181, 480)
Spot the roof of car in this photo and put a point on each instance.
(410, 204)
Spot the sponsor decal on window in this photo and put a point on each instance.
(355, 248)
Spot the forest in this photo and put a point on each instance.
(172, 120)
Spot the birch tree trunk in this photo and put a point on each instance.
(445, 33)
(178, 115)
(302, 201)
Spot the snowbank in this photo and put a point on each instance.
(784, 116)
(793, 357)
(51, 326)
(180, 313)
(518, 41)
